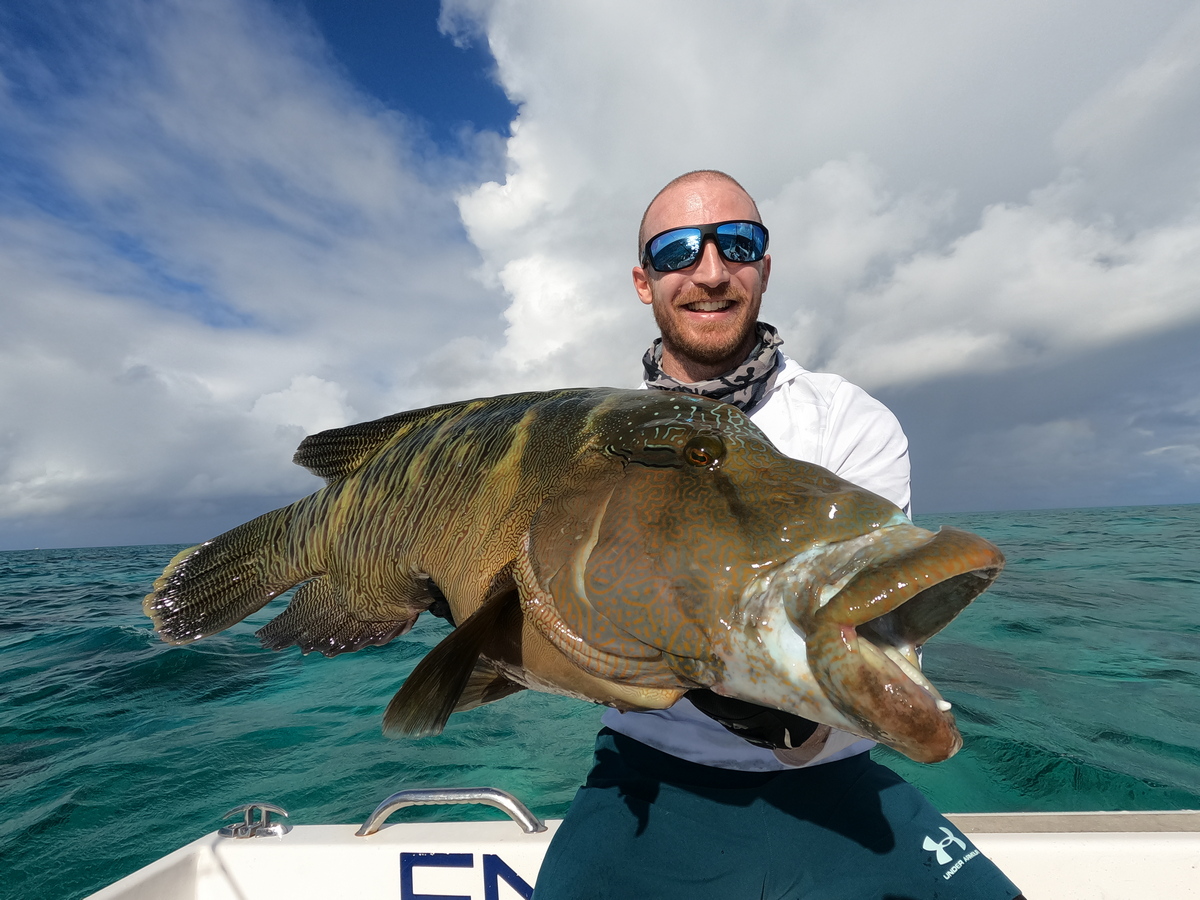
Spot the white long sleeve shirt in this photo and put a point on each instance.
(817, 418)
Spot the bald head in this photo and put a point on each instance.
(695, 178)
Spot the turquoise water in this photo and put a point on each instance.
(1076, 681)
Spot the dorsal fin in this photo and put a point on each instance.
(337, 452)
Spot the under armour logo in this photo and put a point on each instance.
(940, 846)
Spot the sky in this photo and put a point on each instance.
(225, 225)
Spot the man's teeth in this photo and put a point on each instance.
(708, 305)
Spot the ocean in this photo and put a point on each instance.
(1075, 679)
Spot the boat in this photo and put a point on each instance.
(1065, 856)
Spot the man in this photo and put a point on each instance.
(719, 798)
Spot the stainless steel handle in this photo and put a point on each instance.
(502, 800)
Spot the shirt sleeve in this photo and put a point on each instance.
(867, 446)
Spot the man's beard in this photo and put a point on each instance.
(714, 344)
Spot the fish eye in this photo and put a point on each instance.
(704, 450)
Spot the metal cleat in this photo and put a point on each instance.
(248, 828)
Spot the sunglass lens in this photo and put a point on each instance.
(675, 250)
(741, 241)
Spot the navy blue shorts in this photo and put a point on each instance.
(647, 824)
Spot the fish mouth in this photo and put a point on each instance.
(835, 633)
(864, 641)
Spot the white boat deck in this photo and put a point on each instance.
(1112, 855)
(1115, 856)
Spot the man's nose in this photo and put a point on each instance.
(711, 270)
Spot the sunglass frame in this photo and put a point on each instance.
(706, 231)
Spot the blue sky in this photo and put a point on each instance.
(394, 52)
(226, 225)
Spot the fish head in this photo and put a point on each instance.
(835, 633)
(687, 551)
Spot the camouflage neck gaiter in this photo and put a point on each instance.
(744, 386)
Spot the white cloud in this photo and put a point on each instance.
(849, 125)
(951, 189)
(1027, 285)
(232, 249)
(226, 245)
(309, 403)
(1187, 456)
(549, 308)
(842, 231)
(1137, 138)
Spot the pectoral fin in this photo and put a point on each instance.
(436, 686)
(485, 685)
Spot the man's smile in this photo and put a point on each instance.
(708, 305)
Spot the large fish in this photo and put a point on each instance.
(619, 546)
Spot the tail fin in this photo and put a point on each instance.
(213, 585)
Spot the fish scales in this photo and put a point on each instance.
(434, 466)
(624, 547)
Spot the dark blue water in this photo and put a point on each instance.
(1076, 681)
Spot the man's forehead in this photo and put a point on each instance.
(697, 202)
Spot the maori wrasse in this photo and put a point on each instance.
(618, 546)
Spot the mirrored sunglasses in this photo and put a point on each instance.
(677, 248)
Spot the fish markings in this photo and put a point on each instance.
(622, 547)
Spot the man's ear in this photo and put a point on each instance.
(766, 271)
(641, 284)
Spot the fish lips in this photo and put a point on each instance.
(863, 640)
